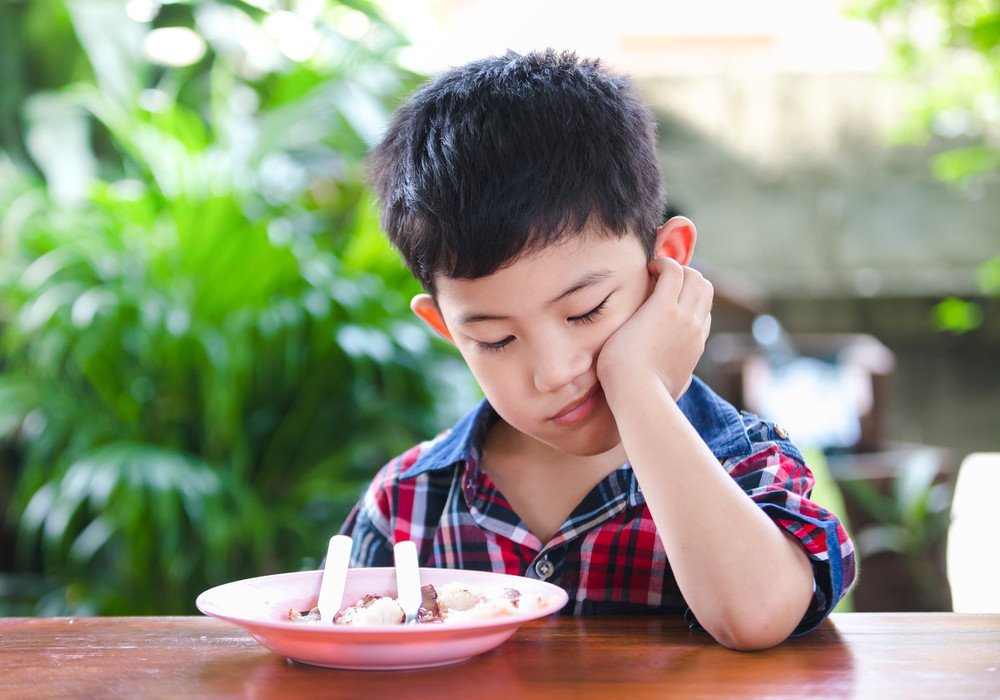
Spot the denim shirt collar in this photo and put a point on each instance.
(717, 422)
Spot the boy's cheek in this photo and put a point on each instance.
(617, 324)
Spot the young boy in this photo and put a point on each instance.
(525, 193)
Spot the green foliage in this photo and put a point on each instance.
(952, 48)
(204, 340)
(910, 519)
(957, 315)
(956, 164)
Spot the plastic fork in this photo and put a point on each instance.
(407, 579)
(331, 589)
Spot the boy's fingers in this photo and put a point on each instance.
(705, 295)
(659, 265)
(696, 290)
(668, 273)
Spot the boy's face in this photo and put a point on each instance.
(531, 334)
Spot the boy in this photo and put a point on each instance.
(525, 193)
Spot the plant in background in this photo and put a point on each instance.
(202, 351)
(909, 518)
(952, 49)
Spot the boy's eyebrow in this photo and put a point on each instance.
(587, 280)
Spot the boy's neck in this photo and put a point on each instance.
(543, 485)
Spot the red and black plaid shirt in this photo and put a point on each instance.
(607, 554)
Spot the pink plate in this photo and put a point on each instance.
(260, 605)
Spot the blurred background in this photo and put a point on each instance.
(205, 343)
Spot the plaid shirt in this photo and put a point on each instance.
(607, 554)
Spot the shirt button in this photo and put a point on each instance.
(544, 568)
(782, 433)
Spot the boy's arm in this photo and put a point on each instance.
(371, 547)
(370, 522)
(747, 581)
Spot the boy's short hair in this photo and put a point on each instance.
(507, 154)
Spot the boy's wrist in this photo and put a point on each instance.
(628, 381)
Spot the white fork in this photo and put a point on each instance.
(407, 579)
(331, 589)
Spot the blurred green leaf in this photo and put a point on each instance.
(957, 315)
(959, 164)
(988, 276)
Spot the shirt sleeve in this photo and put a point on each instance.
(775, 476)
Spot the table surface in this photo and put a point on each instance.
(892, 655)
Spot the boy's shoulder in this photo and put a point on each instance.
(728, 432)
(718, 422)
(452, 446)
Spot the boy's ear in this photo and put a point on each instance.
(424, 306)
(675, 239)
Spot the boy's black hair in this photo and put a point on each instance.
(507, 154)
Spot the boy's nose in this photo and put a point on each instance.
(558, 363)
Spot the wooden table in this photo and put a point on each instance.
(898, 655)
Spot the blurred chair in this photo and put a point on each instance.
(973, 559)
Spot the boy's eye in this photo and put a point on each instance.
(591, 315)
(495, 347)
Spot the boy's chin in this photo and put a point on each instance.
(596, 437)
(589, 445)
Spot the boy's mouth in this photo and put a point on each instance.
(579, 409)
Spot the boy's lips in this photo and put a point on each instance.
(578, 409)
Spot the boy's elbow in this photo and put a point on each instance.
(765, 619)
(750, 640)
(752, 632)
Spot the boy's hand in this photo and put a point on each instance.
(665, 337)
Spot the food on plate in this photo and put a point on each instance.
(311, 617)
(372, 610)
(452, 602)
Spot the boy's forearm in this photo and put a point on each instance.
(746, 580)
